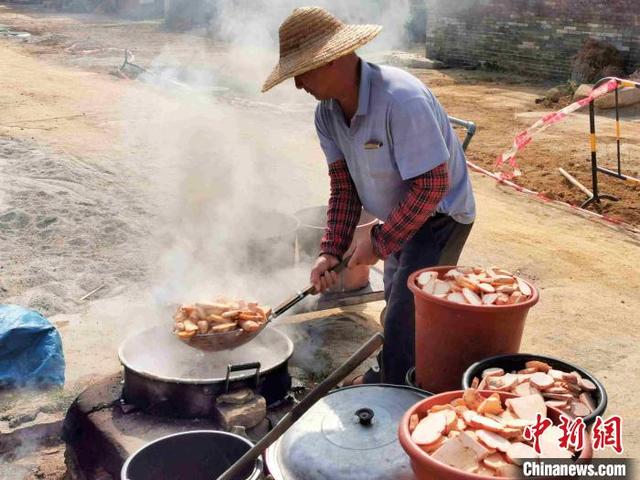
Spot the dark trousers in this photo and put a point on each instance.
(438, 242)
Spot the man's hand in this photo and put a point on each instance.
(321, 278)
(363, 253)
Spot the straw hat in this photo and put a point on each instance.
(311, 37)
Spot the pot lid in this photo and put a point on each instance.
(351, 433)
(156, 353)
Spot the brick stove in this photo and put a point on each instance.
(167, 387)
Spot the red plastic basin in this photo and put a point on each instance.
(426, 468)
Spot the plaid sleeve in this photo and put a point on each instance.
(343, 212)
(412, 212)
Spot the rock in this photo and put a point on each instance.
(256, 433)
(555, 93)
(626, 97)
(595, 60)
(237, 397)
(247, 415)
(582, 91)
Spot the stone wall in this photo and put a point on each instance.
(537, 37)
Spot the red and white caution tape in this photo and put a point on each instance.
(603, 219)
(508, 167)
(506, 163)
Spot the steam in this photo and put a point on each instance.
(218, 156)
(251, 28)
(255, 23)
(224, 156)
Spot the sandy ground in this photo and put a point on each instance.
(89, 159)
(502, 107)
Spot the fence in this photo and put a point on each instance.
(595, 168)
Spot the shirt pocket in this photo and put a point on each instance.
(379, 163)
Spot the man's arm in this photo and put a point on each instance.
(343, 211)
(420, 202)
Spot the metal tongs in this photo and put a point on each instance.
(213, 342)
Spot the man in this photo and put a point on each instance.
(390, 149)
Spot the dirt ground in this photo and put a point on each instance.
(503, 107)
(500, 104)
(89, 185)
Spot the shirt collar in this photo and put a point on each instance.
(364, 91)
(365, 88)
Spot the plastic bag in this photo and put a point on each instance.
(30, 349)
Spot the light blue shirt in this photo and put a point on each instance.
(408, 133)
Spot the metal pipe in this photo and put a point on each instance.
(621, 176)
(471, 130)
(364, 352)
(594, 162)
(618, 132)
(575, 182)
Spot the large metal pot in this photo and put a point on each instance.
(273, 241)
(196, 455)
(350, 433)
(313, 221)
(164, 376)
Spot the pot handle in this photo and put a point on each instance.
(240, 367)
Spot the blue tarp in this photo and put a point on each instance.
(30, 349)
